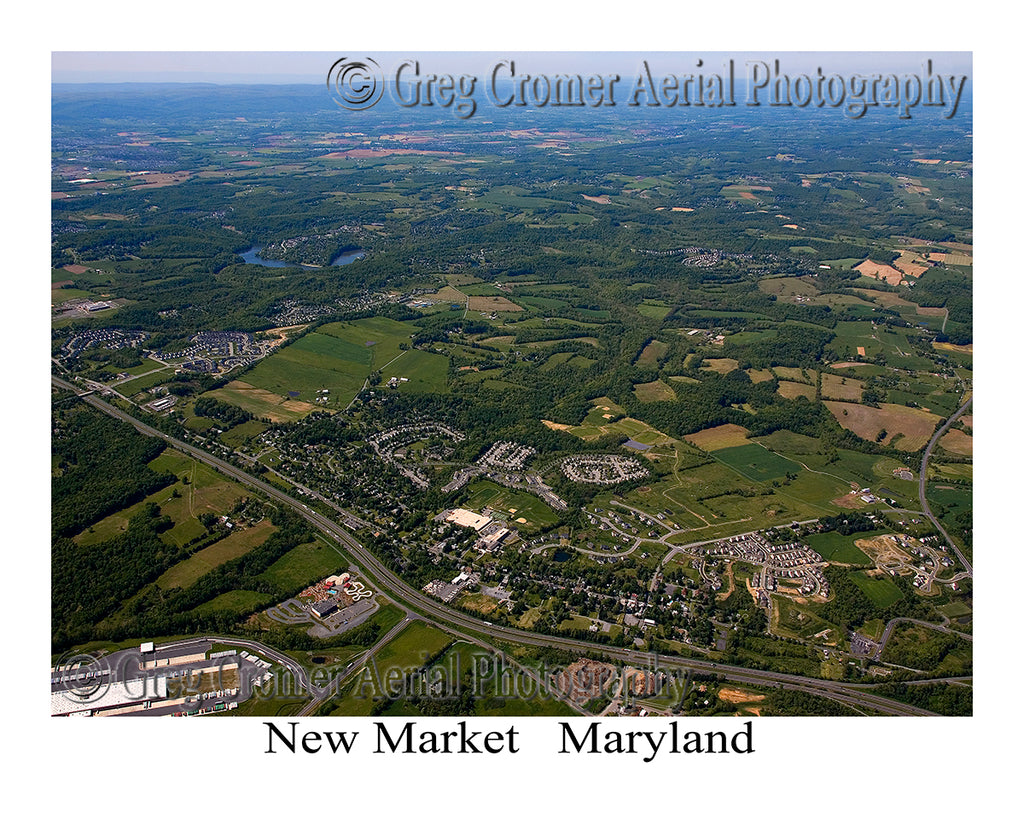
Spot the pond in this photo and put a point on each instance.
(251, 256)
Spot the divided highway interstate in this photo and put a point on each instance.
(854, 695)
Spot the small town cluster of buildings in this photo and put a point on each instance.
(507, 455)
(389, 446)
(602, 469)
(492, 533)
(447, 592)
(778, 561)
(292, 311)
(109, 338)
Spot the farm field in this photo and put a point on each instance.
(652, 353)
(841, 388)
(654, 391)
(880, 590)
(205, 491)
(720, 437)
(958, 442)
(838, 548)
(426, 372)
(914, 426)
(791, 389)
(653, 309)
(722, 366)
(184, 574)
(338, 358)
(306, 563)
(262, 403)
(798, 374)
(756, 462)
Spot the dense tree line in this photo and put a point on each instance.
(786, 702)
(89, 582)
(100, 466)
(228, 414)
(942, 698)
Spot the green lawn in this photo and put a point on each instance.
(503, 499)
(879, 590)
(238, 600)
(839, 548)
(303, 565)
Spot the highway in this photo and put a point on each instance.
(387, 581)
(923, 482)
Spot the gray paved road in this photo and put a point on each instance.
(923, 482)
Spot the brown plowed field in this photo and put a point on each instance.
(915, 425)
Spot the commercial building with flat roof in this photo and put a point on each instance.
(323, 608)
(471, 520)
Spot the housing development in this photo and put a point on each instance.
(556, 413)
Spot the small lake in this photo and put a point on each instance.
(561, 556)
(251, 256)
(347, 257)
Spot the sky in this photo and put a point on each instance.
(311, 66)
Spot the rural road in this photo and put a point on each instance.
(923, 481)
(897, 620)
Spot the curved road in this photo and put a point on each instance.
(383, 578)
(935, 626)
(923, 481)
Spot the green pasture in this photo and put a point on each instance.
(881, 591)
(838, 548)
